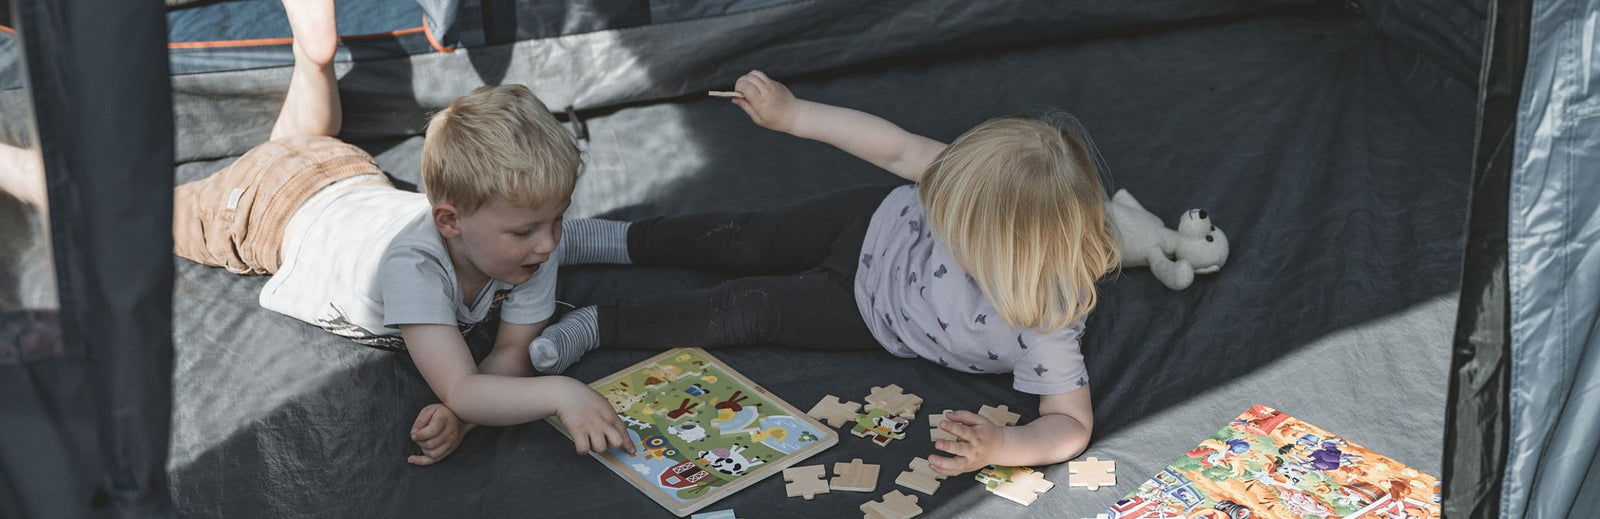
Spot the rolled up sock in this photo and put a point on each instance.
(563, 343)
(591, 240)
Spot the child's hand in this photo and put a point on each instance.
(980, 438)
(591, 421)
(768, 102)
(438, 431)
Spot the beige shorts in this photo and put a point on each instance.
(236, 217)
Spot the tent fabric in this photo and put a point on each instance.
(223, 114)
(251, 34)
(1335, 157)
(1554, 270)
(1476, 419)
(87, 404)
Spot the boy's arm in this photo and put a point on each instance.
(1060, 433)
(867, 136)
(510, 355)
(445, 362)
(437, 429)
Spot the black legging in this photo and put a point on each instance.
(799, 290)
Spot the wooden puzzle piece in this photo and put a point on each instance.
(733, 402)
(834, 412)
(880, 426)
(935, 432)
(1001, 416)
(854, 476)
(719, 514)
(1091, 473)
(684, 409)
(894, 400)
(894, 505)
(807, 481)
(921, 477)
(1021, 485)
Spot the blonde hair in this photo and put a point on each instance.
(1018, 201)
(498, 141)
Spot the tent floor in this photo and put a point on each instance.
(1335, 159)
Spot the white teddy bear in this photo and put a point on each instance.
(1197, 247)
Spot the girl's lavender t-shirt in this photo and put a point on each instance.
(918, 303)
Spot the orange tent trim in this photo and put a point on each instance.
(286, 41)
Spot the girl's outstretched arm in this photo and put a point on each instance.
(1060, 434)
(867, 136)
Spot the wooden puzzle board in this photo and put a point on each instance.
(701, 431)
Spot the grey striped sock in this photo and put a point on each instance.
(591, 240)
(563, 343)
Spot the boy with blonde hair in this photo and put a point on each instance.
(399, 270)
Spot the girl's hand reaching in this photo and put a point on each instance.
(980, 440)
(768, 102)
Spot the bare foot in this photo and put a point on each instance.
(316, 31)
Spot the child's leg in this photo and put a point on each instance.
(812, 310)
(312, 105)
(22, 175)
(238, 217)
(778, 241)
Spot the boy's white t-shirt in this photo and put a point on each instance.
(367, 259)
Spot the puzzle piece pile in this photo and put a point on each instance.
(885, 418)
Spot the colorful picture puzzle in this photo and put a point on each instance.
(880, 426)
(1021, 485)
(1266, 464)
(702, 431)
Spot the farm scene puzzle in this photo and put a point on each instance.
(701, 430)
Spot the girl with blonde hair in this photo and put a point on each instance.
(986, 263)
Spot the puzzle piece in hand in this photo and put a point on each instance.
(834, 412)
(894, 505)
(805, 481)
(854, 476)
(1001, 416)
(921, 477)
(1091, 473)
(880, 426)
(895, 400)
(935, 432)
(1019, 484)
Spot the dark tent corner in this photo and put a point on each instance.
(1407, 187)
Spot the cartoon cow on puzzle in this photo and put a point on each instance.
(729, 461)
